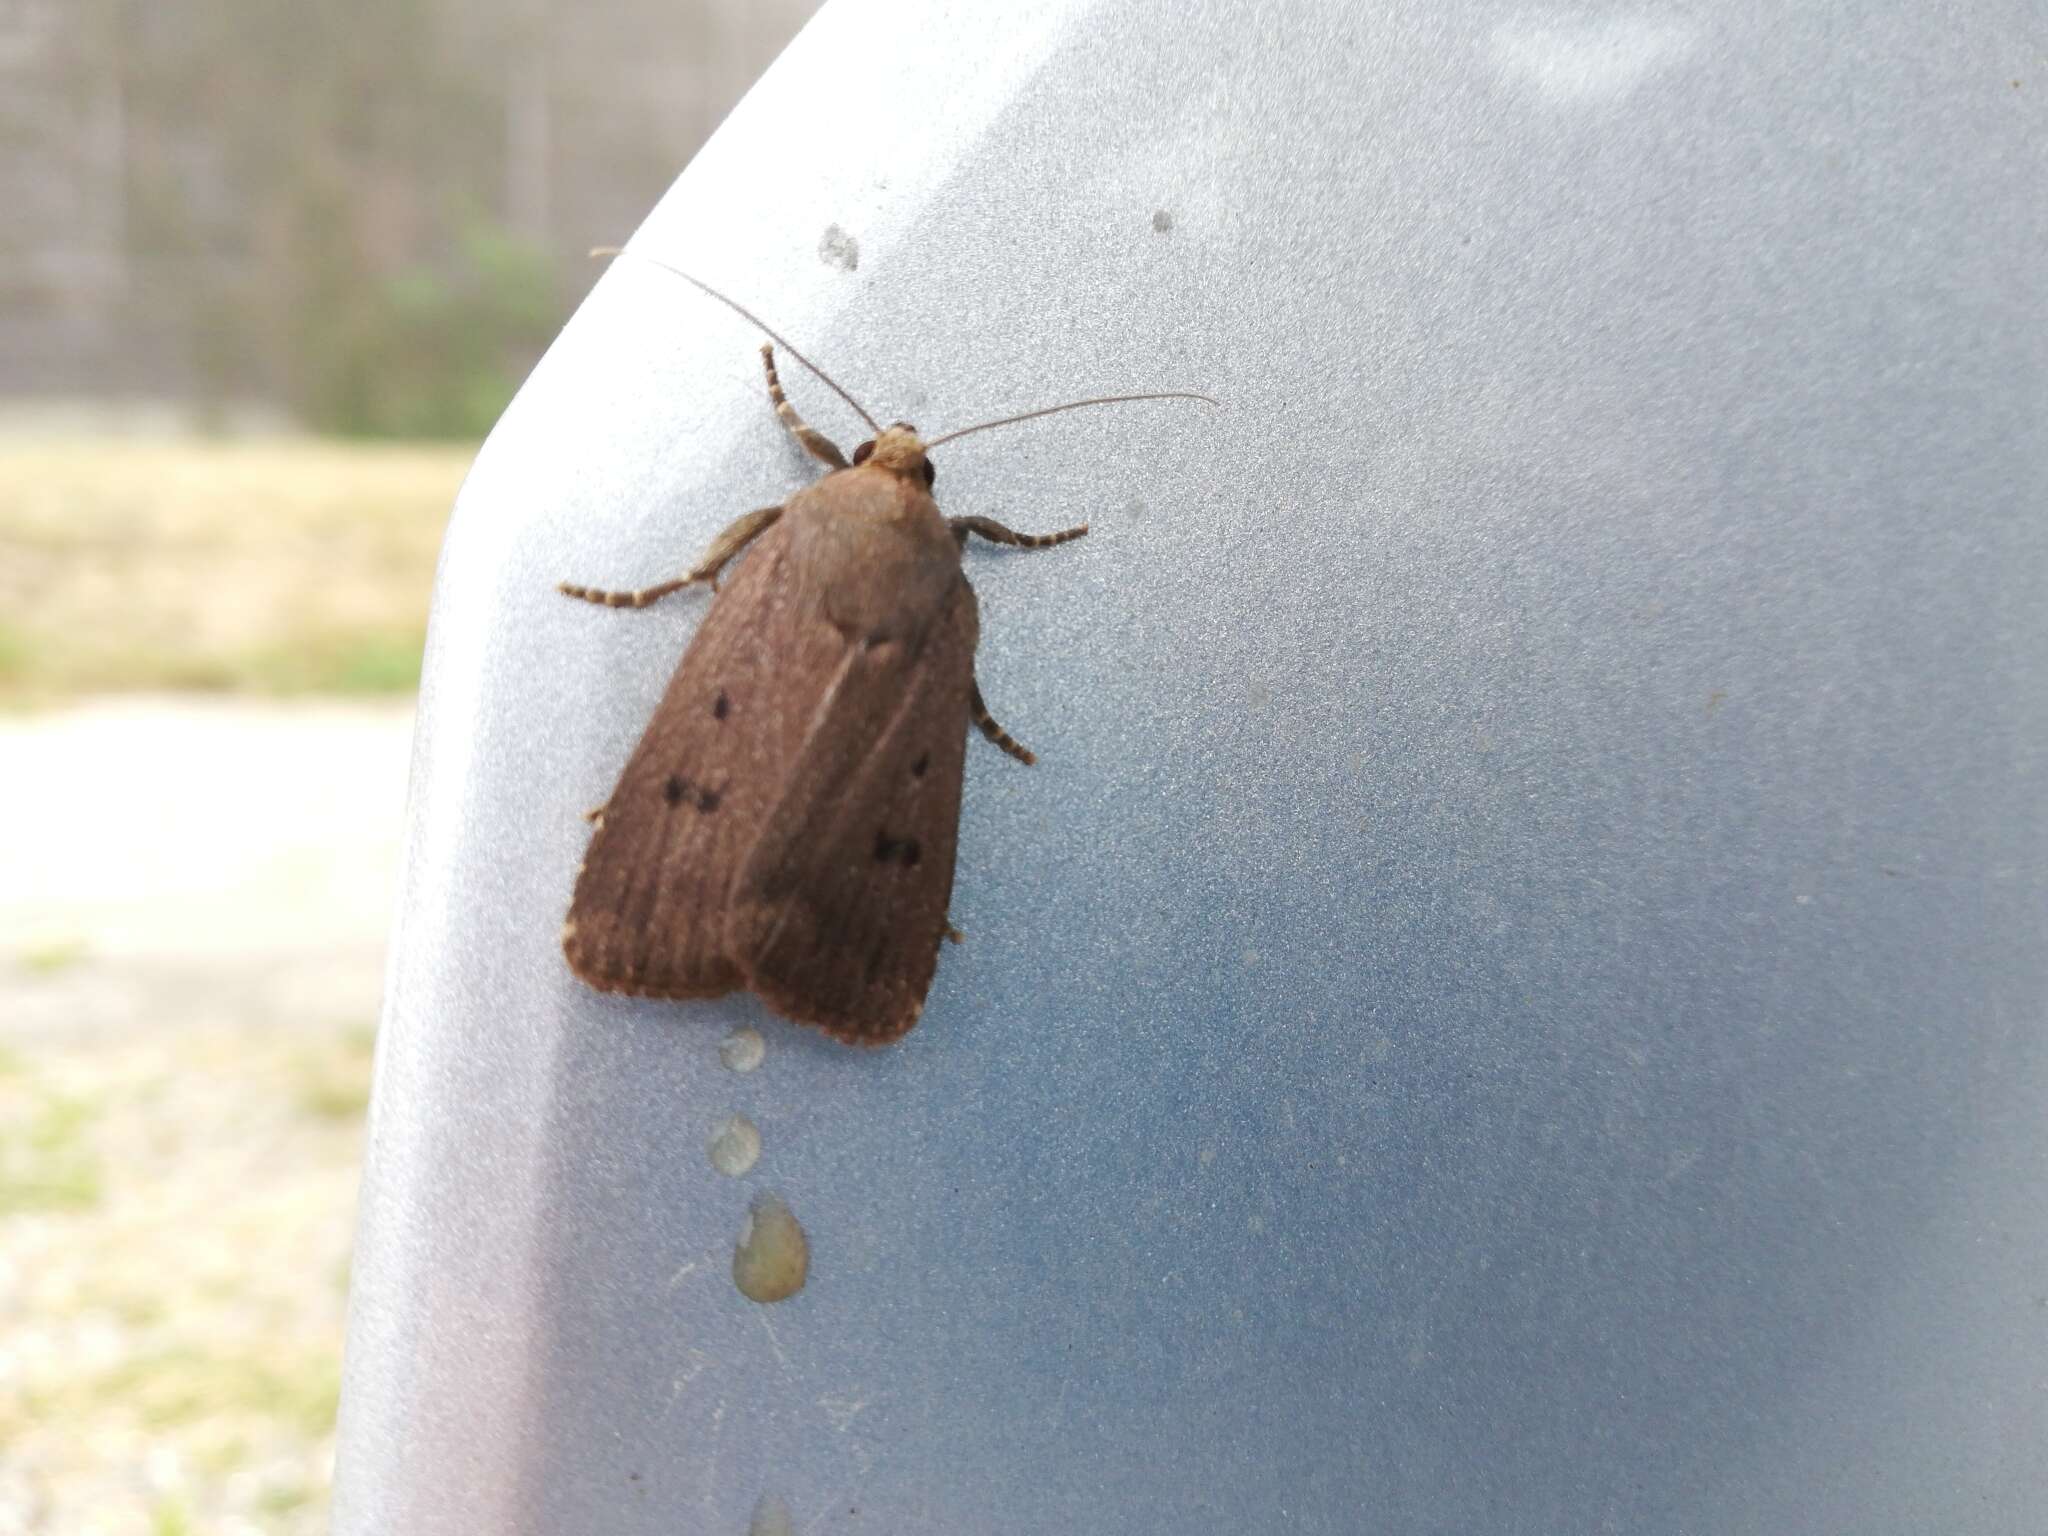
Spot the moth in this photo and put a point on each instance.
(787, 823)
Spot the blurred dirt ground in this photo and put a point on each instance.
(194, 898)
(193, 903)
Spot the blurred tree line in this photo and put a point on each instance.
(370, 211)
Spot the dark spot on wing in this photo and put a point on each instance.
(721, 706)
(924, 761)
(897, 850)
(678, 789)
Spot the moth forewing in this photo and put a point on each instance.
(839, 909)
(647, 917)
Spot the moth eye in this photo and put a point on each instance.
(931, 474)
(864, 451)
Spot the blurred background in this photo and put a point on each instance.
(268, 271)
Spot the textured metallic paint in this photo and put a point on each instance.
(1514, 997)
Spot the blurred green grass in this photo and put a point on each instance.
(47, 1161)
(270, 566)
(175, 1202)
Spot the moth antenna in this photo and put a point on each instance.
(746, 314)
(1072, 405)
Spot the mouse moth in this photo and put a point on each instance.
(787, 822)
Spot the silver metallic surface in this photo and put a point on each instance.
(1513, 999)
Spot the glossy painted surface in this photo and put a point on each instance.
(1513, 999)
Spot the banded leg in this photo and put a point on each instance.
(994, 732)
(996, 533)
(814, 442)
(737, 535)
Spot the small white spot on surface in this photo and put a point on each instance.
(774, 1341)
(842, 1411)
(742, 1050)
(693, 1365)
(836, 248)
(771, 1518)
(1580, 58)
(735, 1146)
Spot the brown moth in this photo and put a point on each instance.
(787, 822)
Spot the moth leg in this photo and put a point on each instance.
(994, 732)
(996, 533)
(814, 442)
(737, 535)
(952, 935)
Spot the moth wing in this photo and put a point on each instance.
(838, 912)
(648, 914)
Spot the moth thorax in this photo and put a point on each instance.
(899, 449)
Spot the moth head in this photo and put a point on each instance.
(898, 449)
